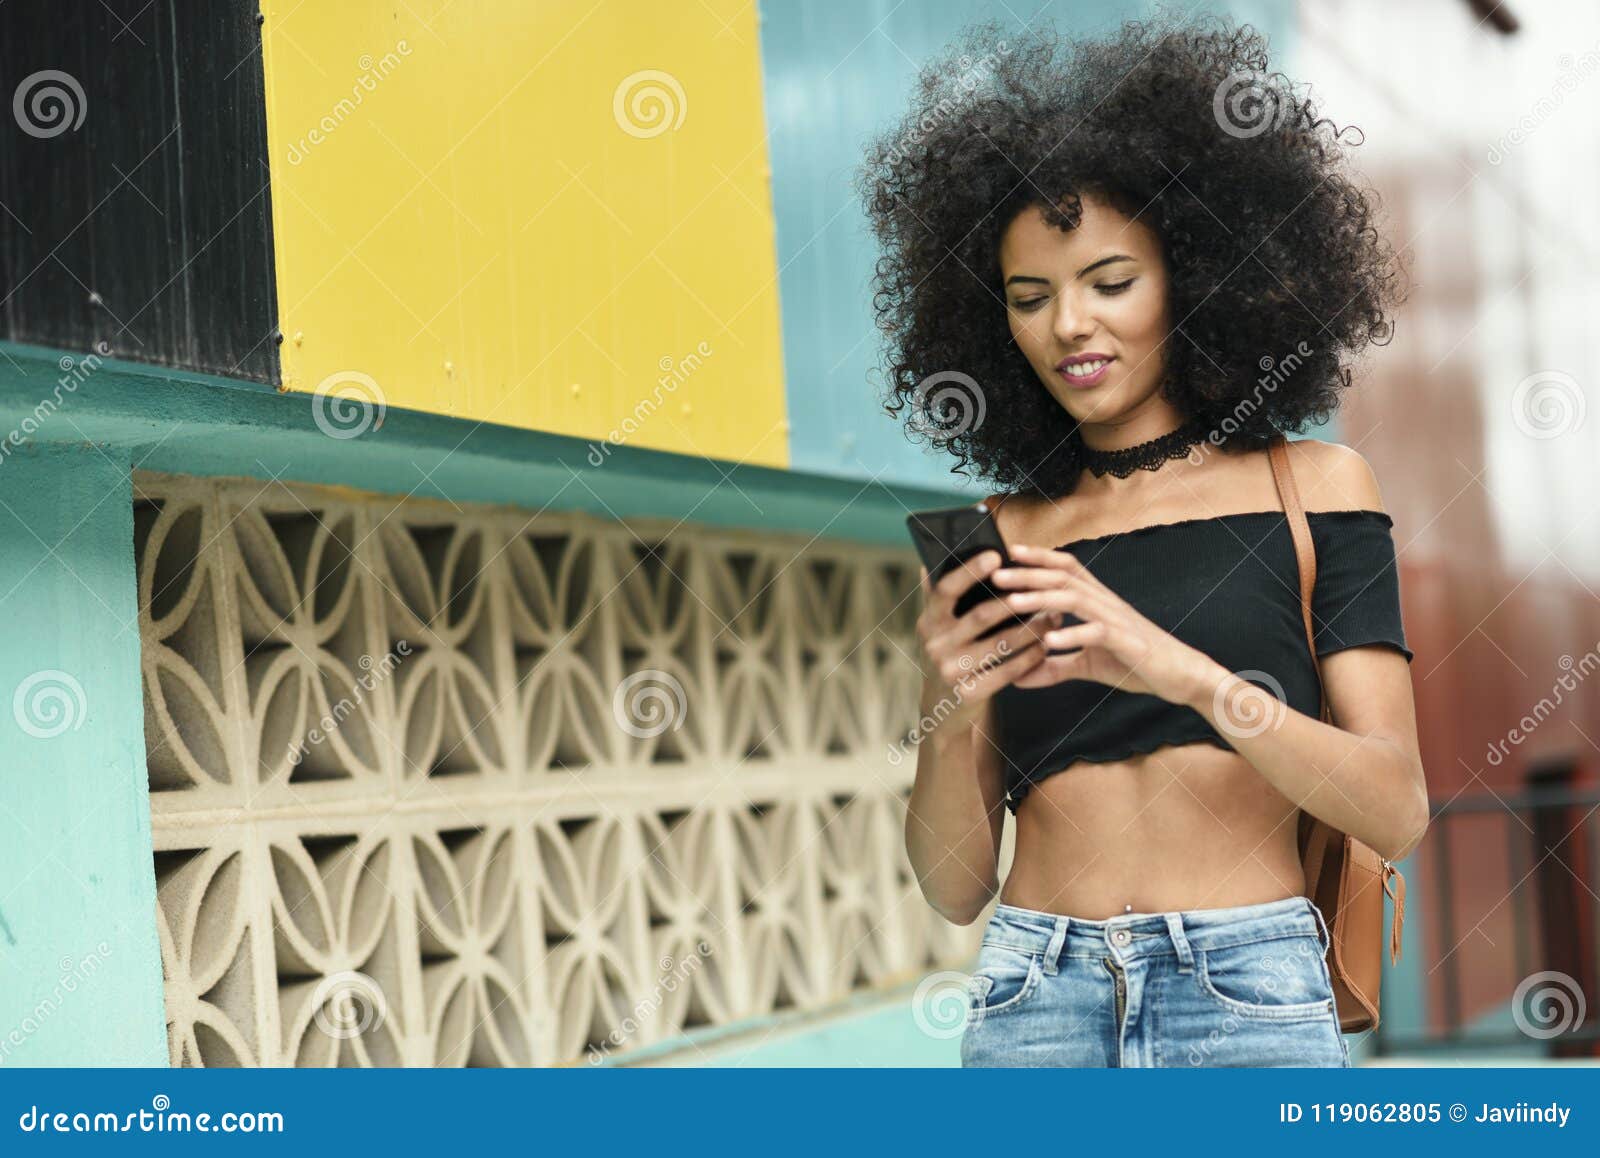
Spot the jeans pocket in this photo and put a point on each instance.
(1004, 978)
(1281, 978)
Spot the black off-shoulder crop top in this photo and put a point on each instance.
(1228, 586)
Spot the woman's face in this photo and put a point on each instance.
(1098, 289)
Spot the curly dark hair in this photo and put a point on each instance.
(1270, 248)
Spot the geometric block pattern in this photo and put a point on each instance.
(445, 786)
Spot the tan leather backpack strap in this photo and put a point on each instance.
(1299, 528)
(1305, 551)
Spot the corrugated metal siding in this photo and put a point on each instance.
(134, 182)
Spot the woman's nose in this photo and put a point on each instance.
(1071, 323)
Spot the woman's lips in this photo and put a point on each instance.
(1086, 380)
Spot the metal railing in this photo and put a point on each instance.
(1507, 897)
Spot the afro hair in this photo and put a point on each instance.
(1277, 276)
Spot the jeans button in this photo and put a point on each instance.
(1119, 937)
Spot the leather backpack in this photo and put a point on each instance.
(1345, 879)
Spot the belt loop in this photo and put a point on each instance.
(1180, 943)
(1058, 938)
(1322, 925)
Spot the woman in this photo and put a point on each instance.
(1142, 259)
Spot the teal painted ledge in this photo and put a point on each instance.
(873, 1029)
(186, 423)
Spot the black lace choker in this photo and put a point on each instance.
(1145, 455)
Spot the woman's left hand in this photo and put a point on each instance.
(1119, 646)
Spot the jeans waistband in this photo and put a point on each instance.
(1145, 934)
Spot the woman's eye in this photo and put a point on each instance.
(1028, 305)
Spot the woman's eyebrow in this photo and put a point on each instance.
(1094, 265)
(1090, 268)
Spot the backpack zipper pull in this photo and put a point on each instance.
(1397, 894)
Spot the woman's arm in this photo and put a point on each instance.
(957, 814)
(1361, 774)
(957, 809)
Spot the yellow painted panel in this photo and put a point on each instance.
(548, 215)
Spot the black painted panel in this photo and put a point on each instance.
(135, 216)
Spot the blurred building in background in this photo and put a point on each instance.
(456, 554)
(1478, 134)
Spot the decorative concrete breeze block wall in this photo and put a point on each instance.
(434, 785)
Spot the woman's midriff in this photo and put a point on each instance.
(1190, 826)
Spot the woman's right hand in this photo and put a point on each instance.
(958, 667)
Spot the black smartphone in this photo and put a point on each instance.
(947, 537)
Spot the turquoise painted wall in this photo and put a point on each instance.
(836, 74)
(80, 966)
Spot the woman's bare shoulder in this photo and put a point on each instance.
(1012, 513)
(1332, 477)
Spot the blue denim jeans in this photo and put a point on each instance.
(1242, 986)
